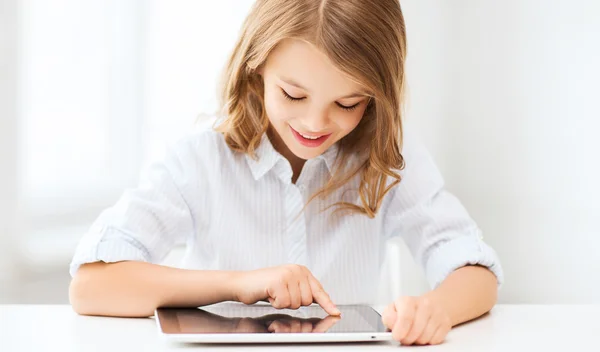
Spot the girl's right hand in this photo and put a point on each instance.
(286, 286)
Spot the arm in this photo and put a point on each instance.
(136, 289)
(115, 267)
(463, 271)
(467, 293)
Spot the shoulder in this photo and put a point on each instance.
(414, 151)
(202, 144)
(419, 163)
(420, 178)
(199, 153)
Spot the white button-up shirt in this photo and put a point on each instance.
(237, 213)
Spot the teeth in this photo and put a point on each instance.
(309, 137)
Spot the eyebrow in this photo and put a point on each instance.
(291, 82)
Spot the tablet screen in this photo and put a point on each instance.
(242, 319)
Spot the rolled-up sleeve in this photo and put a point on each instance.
(433, 223)
(148, 220)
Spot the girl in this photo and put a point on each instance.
(292, 197)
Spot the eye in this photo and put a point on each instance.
(291, 98)
(348, 108)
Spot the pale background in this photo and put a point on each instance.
(504, 94)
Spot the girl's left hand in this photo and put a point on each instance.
(417, 320)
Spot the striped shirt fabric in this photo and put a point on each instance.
(234, 212)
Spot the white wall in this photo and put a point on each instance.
(505, 93)
(8, 157)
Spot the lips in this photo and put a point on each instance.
(310, 140)
(306, 136)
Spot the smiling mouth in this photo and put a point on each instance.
(310, 137)
(310, 140)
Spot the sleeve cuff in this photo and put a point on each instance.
(457, 253)
(111, 248)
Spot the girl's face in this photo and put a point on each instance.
(309, 102)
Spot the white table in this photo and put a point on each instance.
(506, 328)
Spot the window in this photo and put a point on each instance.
(104, 86)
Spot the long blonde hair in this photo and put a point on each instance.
(366, 39)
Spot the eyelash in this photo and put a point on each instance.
(291, 98)
(295, 100)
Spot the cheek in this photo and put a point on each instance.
(275, 108)
(348, 121)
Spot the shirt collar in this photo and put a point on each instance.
(267, 158)
(329, 156)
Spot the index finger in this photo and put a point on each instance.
(322, 298)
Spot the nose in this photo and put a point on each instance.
(316, 121)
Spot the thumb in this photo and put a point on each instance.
(389, 316)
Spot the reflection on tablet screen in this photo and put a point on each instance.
(242, 319)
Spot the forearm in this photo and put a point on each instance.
(467, 293)
(136, 289)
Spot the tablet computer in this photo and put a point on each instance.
(239, 323)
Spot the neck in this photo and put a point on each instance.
(296, 162)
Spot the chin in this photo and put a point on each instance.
(305, 153)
